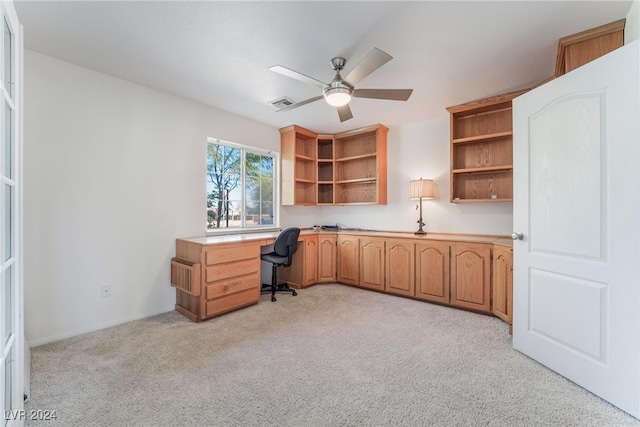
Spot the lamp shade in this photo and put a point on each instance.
(337, 96)
(421, 188)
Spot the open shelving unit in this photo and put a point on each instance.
(325, 170)
(482, 150)
(345, 168)
(298, 166)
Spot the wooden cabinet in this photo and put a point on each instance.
(213, 276)
(230, 278)
(326, 258)
(502, 283)
(310, 275)
(432, 271)
(471, 276)
(372, 263)
(326, 167)
(298, 166)
(482, 150)
(303, 270)
(360, 159)
(578, 49)
(341, 169)
(400, 270)
(348, 259)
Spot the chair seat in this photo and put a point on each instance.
(274, 258)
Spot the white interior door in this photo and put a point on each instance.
(577, 203)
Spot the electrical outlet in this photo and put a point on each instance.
(105, 291)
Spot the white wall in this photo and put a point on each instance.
(114, 173)
(632, 24)
(414, 151)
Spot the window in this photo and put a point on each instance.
(241, 190)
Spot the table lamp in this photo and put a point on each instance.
(421, 189)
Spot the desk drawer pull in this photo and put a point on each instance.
(185, 275)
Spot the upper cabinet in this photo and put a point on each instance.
(341, 169)
(326, 168)
(482, 150)
(361, 166)
(298, 171)
(578, 49)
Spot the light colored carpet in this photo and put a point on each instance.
(332, 356)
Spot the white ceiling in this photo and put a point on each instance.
(218, 52)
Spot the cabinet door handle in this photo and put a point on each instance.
(517, 236)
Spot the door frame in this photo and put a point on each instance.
(18, 389)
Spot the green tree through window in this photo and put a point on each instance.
(240, 186)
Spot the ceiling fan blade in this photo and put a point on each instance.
(374, 60)
(298, 76)
(392, 94)
(344, 113)
(300, 104)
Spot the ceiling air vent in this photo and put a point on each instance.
(282, 102)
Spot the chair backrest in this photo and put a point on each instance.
(287, 242)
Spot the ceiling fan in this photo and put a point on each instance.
(339, 91)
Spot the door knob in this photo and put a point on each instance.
(517, 236)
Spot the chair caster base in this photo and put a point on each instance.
(281, 287)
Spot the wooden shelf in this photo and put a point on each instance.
(481, 167)
(305, 158)
(310, 181)
(351, 181)
(483, 138)
(578, 49)
(480, 200)
(489, 169)
(298, 167)
(345, 168)
(352, 158)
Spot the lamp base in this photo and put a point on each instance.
(420, 224)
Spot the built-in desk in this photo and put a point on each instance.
(216, 274)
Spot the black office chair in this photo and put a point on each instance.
(283, 249)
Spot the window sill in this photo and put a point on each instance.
(243, 231)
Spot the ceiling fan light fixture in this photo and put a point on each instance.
(339, 91)
(338, 96)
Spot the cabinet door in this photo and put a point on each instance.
(432, 271)
(348, 259)
(471, 276)
(303, 269)
(502, 285)
(326, 259)
(400, 271)
(372, 263)
(310, 276)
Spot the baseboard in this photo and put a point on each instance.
(76, 332)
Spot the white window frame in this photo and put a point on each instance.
(276, 186)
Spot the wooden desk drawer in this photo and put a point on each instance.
(228, 253)
(231, 302)
(237, 284)
(231, 269)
